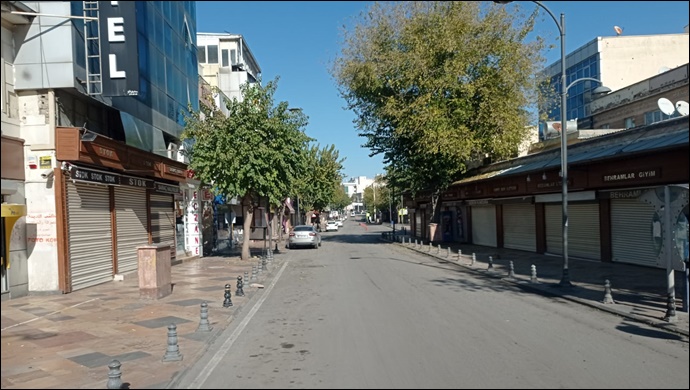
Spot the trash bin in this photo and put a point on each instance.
(155, 274)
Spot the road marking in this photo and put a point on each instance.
(226, 347)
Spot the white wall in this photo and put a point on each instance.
(41, 233)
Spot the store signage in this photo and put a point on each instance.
(629, 194)
(119, 48)
(633, 175)
(83, 174)
(166, 188)
(505, 188)
(475, 202)
(174, 171)
(136, 182)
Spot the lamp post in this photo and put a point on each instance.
(565, 278)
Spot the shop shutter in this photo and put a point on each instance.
(163, 221)
(131, 220)
(484, 225)
(89, 235)
(632, 232)
(583, 230)
(519, 227)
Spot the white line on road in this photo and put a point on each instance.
(225, 348)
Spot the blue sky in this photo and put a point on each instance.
(297, 41)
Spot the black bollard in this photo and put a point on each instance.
(114, 375)
(227, 302)
(253, 272)
(204, 325)
(172, 352)
(240, 291)
(246, 276)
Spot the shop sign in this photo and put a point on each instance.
(475, 202)
(119, 48)
(94, 176)
(166, 188)
(505, 188)
(135, 182)
(632, 175)
(629, 194)
(174, 171)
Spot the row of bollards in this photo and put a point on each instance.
(608, 299)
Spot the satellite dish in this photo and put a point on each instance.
(682, 107)
(618, 30)
(666, 106)
(663, 69)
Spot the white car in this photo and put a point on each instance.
(339, 223)
(331, 226)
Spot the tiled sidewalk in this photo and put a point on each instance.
(67, 341)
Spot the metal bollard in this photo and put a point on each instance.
(491, 263)
(459, 254)
(430, 245)
(259, 267)
(227, 302)
(438, 249)
(448, 254)
(172, 353)
(533, 277)
(114, 375)
(204, 325)
(607, 292)
(474, 258)
(253, 273)
(246, 276)
(511, 270)
(240, 290)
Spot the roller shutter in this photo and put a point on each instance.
(89, 235)
(131, 219)
(484, 225)
(632, 232)
(519, 227)
(583, 230)
(163, 221)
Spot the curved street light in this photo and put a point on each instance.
(565, 278)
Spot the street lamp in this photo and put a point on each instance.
(565, 278)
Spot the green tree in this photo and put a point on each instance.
(340, 199)
(437, 86)
(256, 151)
(317, 187)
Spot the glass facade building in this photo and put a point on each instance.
(168, 77)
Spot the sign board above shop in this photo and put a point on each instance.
(119, 48)
(109, 178)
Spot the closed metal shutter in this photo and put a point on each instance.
(89, 235)
(519, 227)
(583, 230)
(163, 221)
(632, 232)
(484, 225)
(131, 220)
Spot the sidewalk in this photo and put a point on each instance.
(67, 341)
(638, 293)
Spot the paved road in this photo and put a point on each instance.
(360, 314)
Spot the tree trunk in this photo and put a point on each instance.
(248, 211)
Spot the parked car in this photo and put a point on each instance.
(339, 222)
(331, 226)
(304, 235)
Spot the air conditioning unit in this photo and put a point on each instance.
(172, 151)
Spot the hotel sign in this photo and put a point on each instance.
(119, 48)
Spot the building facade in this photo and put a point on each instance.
(102, 88)
(617, 61)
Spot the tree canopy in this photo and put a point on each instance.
(257, 150)
(437, 86)
(317, 187)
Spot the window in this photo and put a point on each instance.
(629, 123)
(212, 55)
(657, 116)
(233, 56)
(606, 126)
(201, 53)
(225, 61)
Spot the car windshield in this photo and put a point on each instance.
(303, 228)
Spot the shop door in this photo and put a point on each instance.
(583, 230)
(89, 235)
(131, 221)
(519, 227)
(163, 221)
(633, 232)
(484, 225)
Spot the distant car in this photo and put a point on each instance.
(331, 226)
(339, 223)
(304, 235)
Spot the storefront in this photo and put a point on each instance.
(519, 224)
(483, 222)
(104, 213)
(584, 236)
